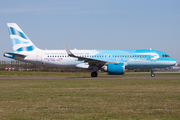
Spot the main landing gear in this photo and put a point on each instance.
(152, 73)
(94, 74)
(95, 69)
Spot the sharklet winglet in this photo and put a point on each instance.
(68, 51)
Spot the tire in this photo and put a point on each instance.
(94, 74)
(152, 75)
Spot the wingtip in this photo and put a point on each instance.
(67, 50)
(64, 46)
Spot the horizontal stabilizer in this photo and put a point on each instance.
(12, 55)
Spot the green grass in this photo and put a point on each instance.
(91, 99)
(86, 74)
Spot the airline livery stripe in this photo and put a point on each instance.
(30, 48)
(19, 50)
(22, 35)
(14, 32)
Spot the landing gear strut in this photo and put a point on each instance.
(152, 73)
(94, 74)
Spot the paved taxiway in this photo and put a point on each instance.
(6, 77)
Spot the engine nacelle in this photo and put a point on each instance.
(115, 68)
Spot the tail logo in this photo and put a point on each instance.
(20, 41)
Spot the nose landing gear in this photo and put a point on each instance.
(152, 73)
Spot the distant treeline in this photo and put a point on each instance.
(23, 66)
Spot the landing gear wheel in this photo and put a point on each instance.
(94, 74)
(152, 75)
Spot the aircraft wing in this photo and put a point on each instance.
(89, 60)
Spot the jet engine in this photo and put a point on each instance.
(115, 68)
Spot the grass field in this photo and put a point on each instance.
(127, 99)
(87, 74)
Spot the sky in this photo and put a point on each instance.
(94, 24)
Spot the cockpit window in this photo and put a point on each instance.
(165, 56)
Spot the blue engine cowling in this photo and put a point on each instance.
(116, 69)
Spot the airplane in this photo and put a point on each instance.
(112, 61)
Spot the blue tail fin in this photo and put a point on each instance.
(20, 41)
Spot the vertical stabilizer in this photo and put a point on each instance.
(20, 41)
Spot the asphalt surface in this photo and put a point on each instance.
(4, 77)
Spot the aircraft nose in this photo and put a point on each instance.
(172, 62)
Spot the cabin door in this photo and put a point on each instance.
(38, 56)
